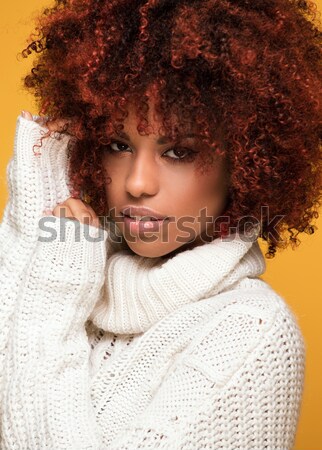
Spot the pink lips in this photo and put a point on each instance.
(142, 211)
(140, 226)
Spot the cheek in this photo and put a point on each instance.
(111, 190)
(209, 189)
(110, 185)
(111, 172)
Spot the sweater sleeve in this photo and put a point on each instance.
(46, 400)
(238, 387)
(34, 183)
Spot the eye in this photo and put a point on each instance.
(181, 154)
(117, 146)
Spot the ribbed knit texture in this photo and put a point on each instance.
(103, 349)
(139, 291)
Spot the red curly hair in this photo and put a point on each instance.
(245, 73)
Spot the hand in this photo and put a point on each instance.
(52, 125)
(35, 183)
(76, 209)
(72, 208)
(49, 285)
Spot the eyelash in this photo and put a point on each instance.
(185, 159)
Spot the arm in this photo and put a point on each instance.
(34, 184)
(47, 390)
(46, 401)
(237, 387)
(255, 401)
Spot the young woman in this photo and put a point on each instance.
(170, 137)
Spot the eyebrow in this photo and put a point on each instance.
(162, 140)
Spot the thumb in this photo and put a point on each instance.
(26, 115)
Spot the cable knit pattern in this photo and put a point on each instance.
(102, 349)
(33, 184)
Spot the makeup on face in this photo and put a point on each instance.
(154, 190)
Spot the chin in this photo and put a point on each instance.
(158, 250)
(148, 250)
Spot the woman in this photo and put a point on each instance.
(174, 134)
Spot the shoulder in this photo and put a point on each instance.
(250, 357)
(254, 324)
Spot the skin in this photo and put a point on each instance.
(140, 172)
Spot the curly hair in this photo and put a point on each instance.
(245, 73)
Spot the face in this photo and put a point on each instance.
(153, 172)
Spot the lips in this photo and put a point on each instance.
(139, 213)
(141, 226)
(144, 218)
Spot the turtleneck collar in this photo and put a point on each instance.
(139, 291)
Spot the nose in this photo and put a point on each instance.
(143, 176)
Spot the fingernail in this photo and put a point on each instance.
(23, 113)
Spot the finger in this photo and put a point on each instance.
(48, 212)
(96, 221)
(27, 115)
(81, 212)
(85, 215)
(78, 203)
(41, 120)
(52, 125)
(63, 211)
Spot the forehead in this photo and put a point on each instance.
(162, 139)
(152, 125)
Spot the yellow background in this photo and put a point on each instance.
(296, 275)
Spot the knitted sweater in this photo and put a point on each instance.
(103, 349)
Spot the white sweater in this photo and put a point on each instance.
(102, 349)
